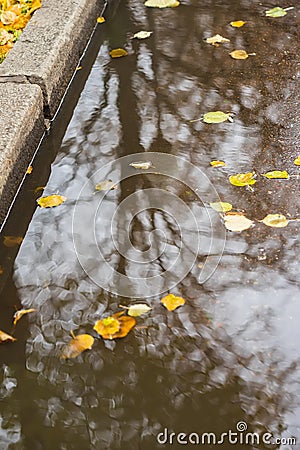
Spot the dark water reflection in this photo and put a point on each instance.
(231, 353)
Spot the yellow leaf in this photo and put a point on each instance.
(276, 174)
(21, 313)
(106, 185)
(172, 302)
(237, 222)
(8, 17)
(240, 54)
(4, 337)
(238, 23)
(221, 206)
(142, 34)
(277, 12)
(118, 53)
(242, 179)
(39, 188)
(77, 345)
(144, 165)
(137, 310)
(12, 241)
(217, 163)
(51, 201)
(116, 326)
(29, 170)
(297, 161)
(162, 3)
(275, 220)
(100, 19)
(217, 39)
(216, 117)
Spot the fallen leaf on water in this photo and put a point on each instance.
(242, 179)
(162, 3)
(277, 12)
(217, 163)
(106, 185)
(137, 310)
(77, 345)
(50, 201)
(12, 241)
(21, 313)
(275, 220)
(297, 161)
(237, 222)
(100, 19)
(1, 270)
(240, 54)
(39, 188)
(216, 117)
(141, 165)
(217, 39)
(276, 174)
(142, 34)
(172, 302)
(118, 52)
(116, 326)
(29, 170)
(221, 206)
(237, 23)
(4, 337)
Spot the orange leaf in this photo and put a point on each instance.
(172, 302)
(116, 326)
(4, 337)
(77, 345)
(118, 53)
(12, 241)
(21, 313)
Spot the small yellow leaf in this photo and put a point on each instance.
(239, 54)
(297, 161)
(79, 68)
(116, 326)
(275, 220)
(29, 170)
(172, 302)
(217, 163)
(100, 19)
(237, 222)
(21, 313)
(4, 337)
(12, 241)
(106, 185)
(162, 3)
(77, 345)
(144, 165)
(51, 201)
(118, 53)
(276, 174)
(217, 39)
(137, 310)
(142, 34)
(242, 179)
(238, 23)
(221, 206)
(216, 117)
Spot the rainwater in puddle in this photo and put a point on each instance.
(229, 358)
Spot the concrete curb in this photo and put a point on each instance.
(33, 81)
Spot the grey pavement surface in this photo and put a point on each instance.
(33, 81)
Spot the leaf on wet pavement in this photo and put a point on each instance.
(217, 163)
(172, 302)
(4, 337)
(297, 161)
(275, 220)
(237, 222)
(116, 326)
(51, 200)
(100, 19)
(277, 12)
(77, 345)
(216, 117)
(12, 241)
(118, 52)
(137, 309)
(144, 165)
(240, 54)
(216, 39)
(237, 23)
(106, 185)
(21, 313)
(276, 174)
(142, 34)
(221, 206)
(29, 170)
(242, 179)
(162, 3)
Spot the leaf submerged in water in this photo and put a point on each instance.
(77, 345)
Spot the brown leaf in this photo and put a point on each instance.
(12, 241)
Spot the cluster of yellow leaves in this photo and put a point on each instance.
(14, 16)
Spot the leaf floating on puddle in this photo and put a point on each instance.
(12, 241)
(217, 163)
(77, 345)
(297, 161)
(276, 174)
(144, 165)
(162, 3)
(277, 12)
(51, 200)
(106, 185)
(240, 54)
(216, 117)
(237, 222)
(217, 39)
(221, 206)
(238, 23)
(116, 326)
(21, 313)
(172, 302)
(100, 19)
(118, 52)
(137, 310)
(275, 220)
(242, 179)
(4, 337)
(29, 170)
(142, 34)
